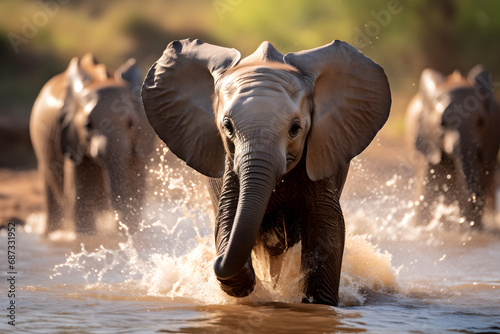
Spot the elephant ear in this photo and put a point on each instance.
(177, 96)
(77, 79)
(480, 78)
(96, 70)
(429, 81)
(429, 133)
(351, 98)
(130, 73)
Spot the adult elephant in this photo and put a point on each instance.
(454, 122)
(91, 138)
(275, 134)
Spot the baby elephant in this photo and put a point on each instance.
(275, 134)
(454, 123)
(91, 138)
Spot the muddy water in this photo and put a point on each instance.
(397, 277)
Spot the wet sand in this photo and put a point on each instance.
(20, 195)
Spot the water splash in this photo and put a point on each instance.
(172, 254)
(365, 270)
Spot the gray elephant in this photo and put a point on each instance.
(454, 122)
(91, 138)
(275, 134)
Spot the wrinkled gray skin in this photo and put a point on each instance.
(454, 124)
(91, 138)
(275, 134)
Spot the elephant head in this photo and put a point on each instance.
(458, 126)
(259, 116)
(102, 118)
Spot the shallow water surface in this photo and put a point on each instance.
(397, 277)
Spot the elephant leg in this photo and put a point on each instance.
(55, 212)
(323, 246)
(89, 196)
(243, 283)
(427, 204)
(138, 189)
(53, 180)
(490, 202)
(130, 207)
(430, 193)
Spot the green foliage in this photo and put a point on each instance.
(447, 34)
(291, 24)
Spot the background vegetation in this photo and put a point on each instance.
(39, 37)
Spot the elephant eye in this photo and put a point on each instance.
(88, 125)
(294, 129)
(480, 122)
(228, 125)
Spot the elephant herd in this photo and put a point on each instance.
(274, 135)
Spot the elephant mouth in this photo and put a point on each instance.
(290, 161)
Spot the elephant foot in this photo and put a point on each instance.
(86, 231)
(325, 300)
(324, 294)
(240, 285)
(85, 226)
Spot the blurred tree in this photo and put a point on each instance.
(404, 36)
(437, 34)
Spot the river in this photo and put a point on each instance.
(397, 276)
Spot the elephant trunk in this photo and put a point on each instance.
(258, 173)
